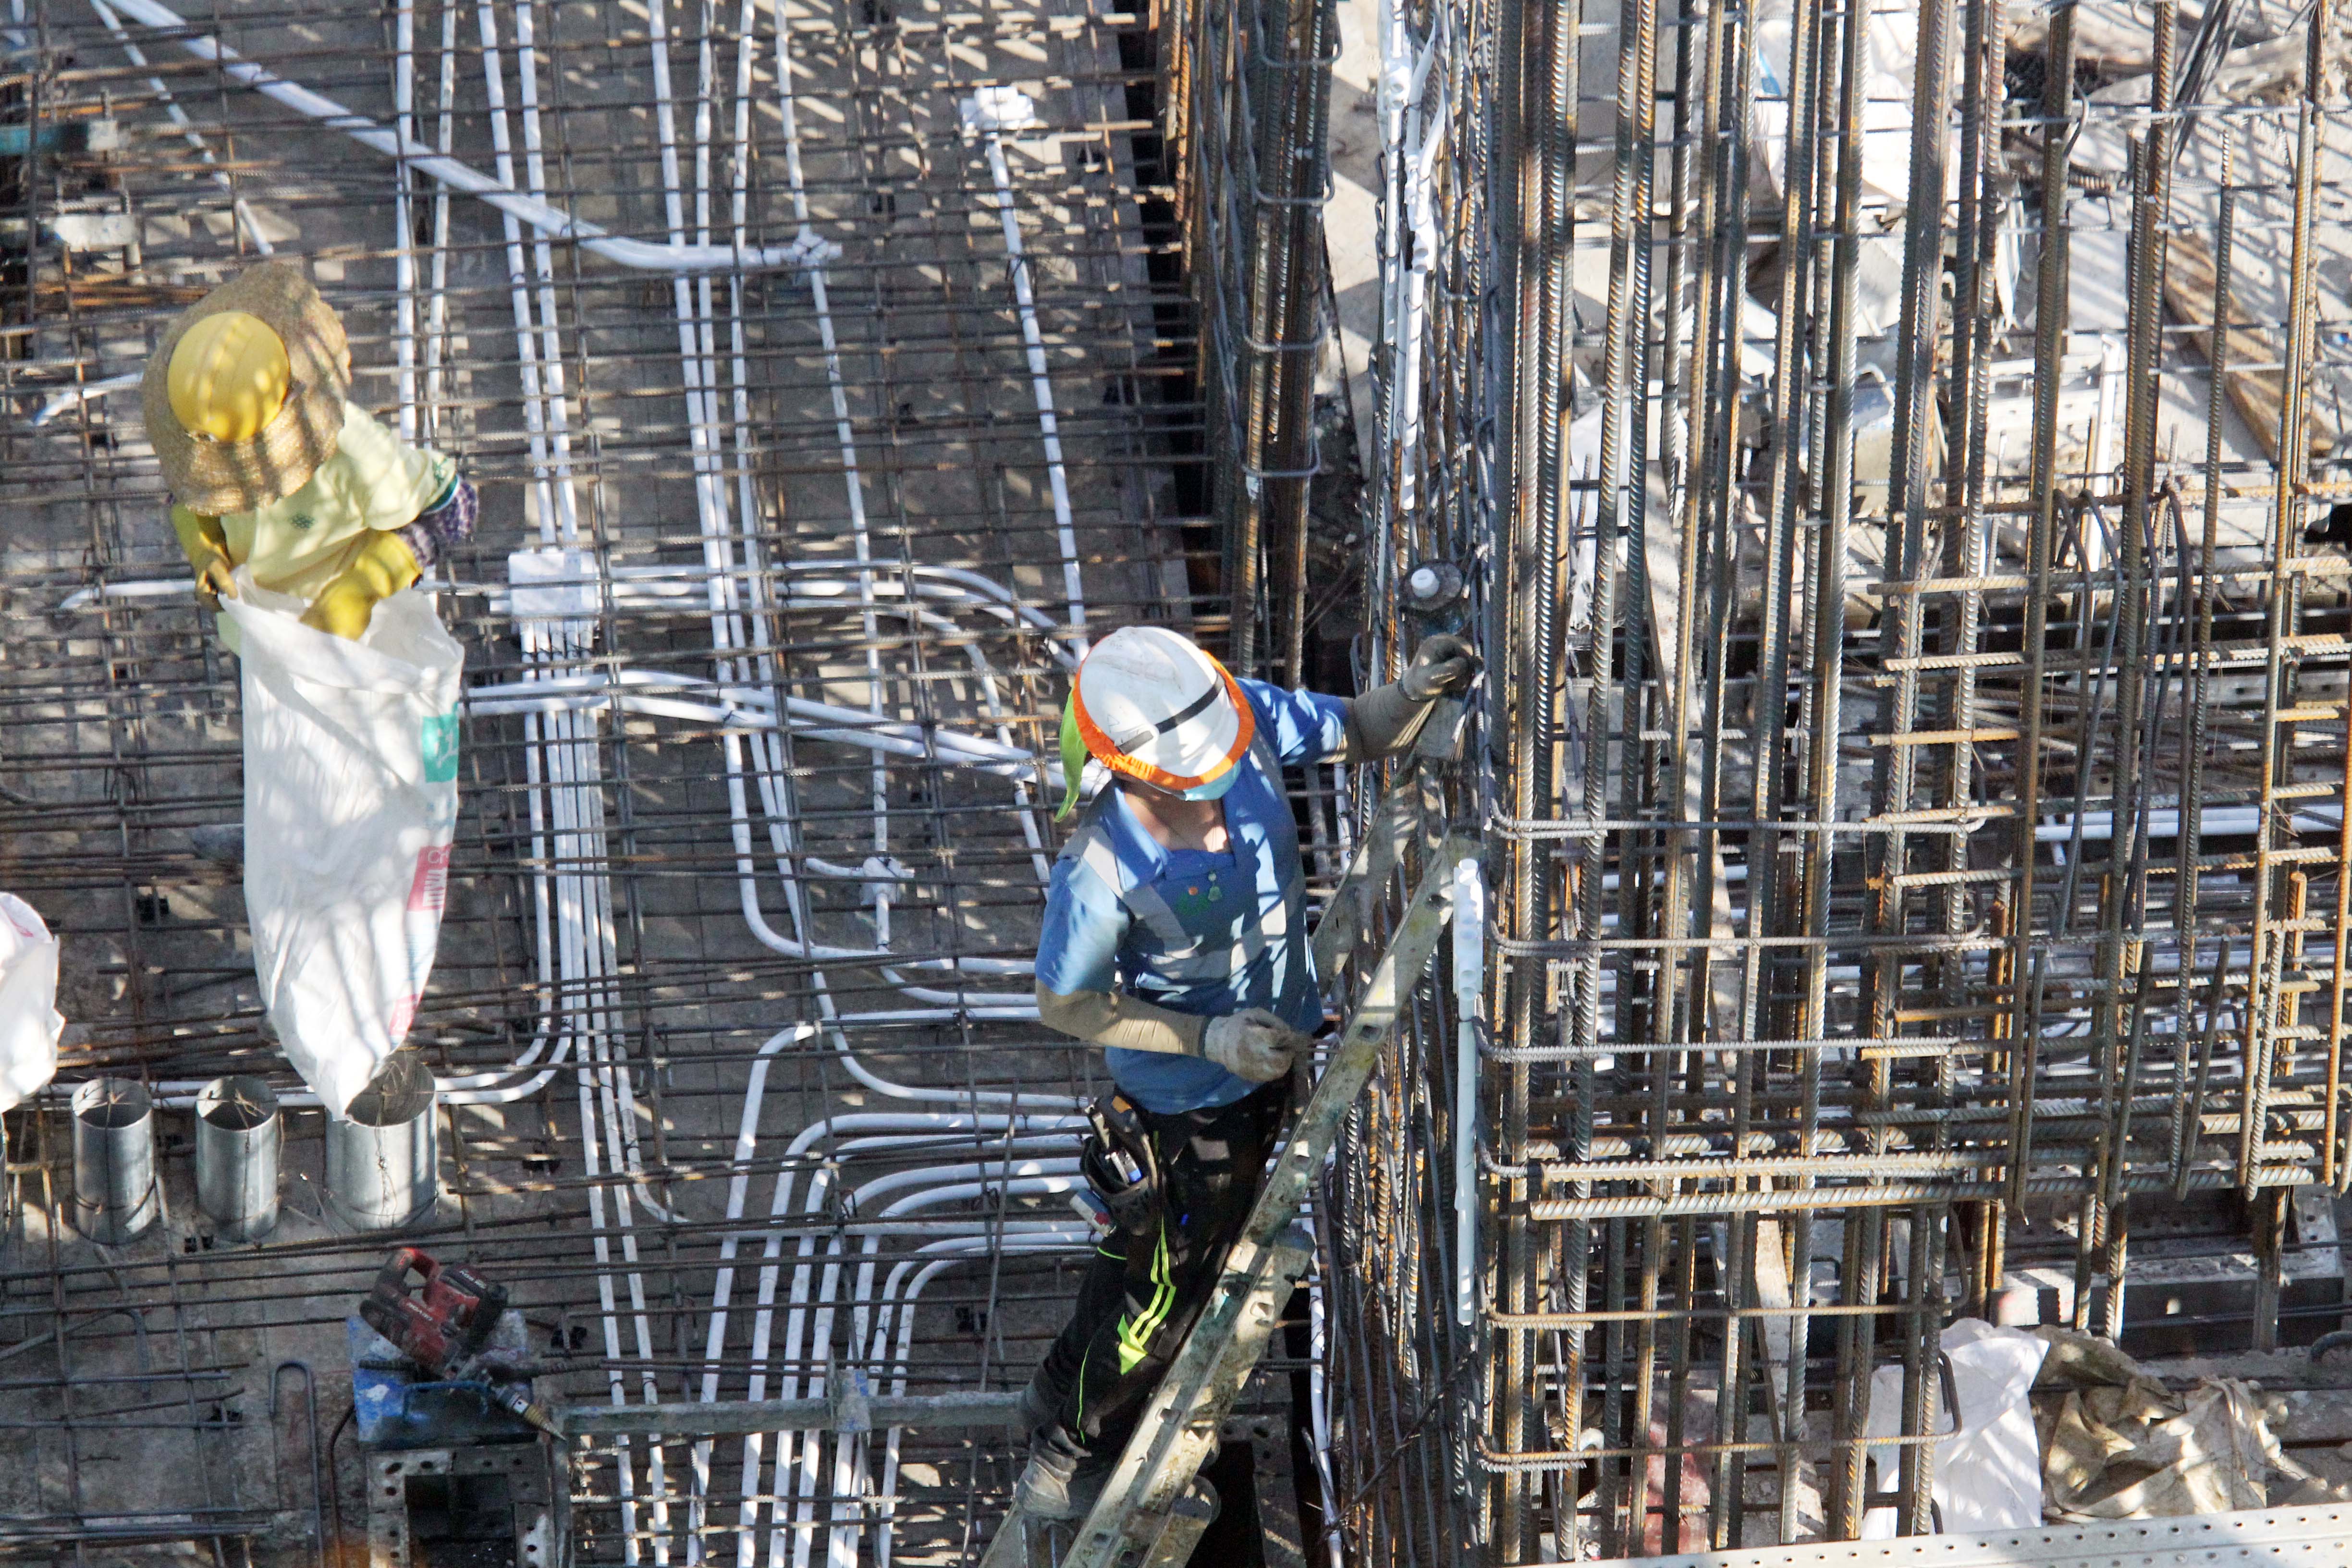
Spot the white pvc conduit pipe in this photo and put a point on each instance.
(404, 231)
(436, 312)
(540, 410)
(991, 113)
(562, 753)
(771, 1274)
(633, 587)
(179, 117)
(1026, 1178)
(1060, 1239)
(923, 1124)
(750, 708)
(555, 224)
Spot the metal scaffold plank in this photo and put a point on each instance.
(2306, 1537)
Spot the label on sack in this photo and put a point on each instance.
(428, 891)
(438, 741)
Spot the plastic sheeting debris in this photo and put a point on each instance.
(1893, 40)
(29, 1021)
(351, 802)
(2118, 1445)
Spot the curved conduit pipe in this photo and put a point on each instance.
(880, 873)
(636, 586)
(700, 373)
(853, 1458)
(969, 1250)
(773, 782)
(924, 1124)
(701, 376)
(763, 1328)
(1025, 1178)
(635, 254)
(991, 113)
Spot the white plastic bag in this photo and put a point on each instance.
(29, 1024)
(1988, 1472)
(350, 801)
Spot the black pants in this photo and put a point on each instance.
(1142, 1291)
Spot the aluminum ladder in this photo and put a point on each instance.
(1154, 1507)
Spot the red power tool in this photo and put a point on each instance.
(445, 1331)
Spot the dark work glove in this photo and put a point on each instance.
(1443, 666)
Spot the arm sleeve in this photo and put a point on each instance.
(1077, 972)
(391, 482)
(195, 529)
(1114, 1019)
(1301, 726)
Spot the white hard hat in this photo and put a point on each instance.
(1147, 703)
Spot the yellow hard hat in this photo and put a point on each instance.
(229, 376)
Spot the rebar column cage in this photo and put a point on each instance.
(1247, 96)
(1913, 747)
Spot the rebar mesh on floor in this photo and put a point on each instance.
(880, 408)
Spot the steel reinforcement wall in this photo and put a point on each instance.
(1890, 455)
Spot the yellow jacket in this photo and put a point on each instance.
(374, 483)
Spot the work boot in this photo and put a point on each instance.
(1062, 1480)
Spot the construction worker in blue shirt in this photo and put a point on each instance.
(1175, 938)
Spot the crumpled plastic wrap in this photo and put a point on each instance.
(29, 1024)
(2118, 1445)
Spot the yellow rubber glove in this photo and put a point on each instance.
(383, 568)
(206, 548)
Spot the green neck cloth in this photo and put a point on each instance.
(1074, 758)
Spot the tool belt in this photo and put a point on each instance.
(1121, 1163)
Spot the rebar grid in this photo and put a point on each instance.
(866, 404)
(1248, 104)
(2013, 963)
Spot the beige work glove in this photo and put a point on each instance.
(1254, 1045)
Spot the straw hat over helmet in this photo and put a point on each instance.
(243, 396)
(1148, 703)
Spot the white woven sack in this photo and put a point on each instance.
(350, 801)
(29, 1024)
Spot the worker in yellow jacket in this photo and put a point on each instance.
(273, 469)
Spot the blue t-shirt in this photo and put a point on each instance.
(1188, 931)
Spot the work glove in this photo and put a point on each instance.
(215, 581)
(1252, 1045)
(344, 606)
(1443, 666)
(206, 548)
